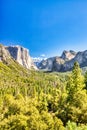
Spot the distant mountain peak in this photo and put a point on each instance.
(65, 62)
(68, 55)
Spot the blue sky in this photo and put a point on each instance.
(44, 27)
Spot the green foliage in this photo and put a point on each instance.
(73, 126)
(32, 100)
(75, 105)
(76, 81)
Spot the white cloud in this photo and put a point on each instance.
(38, 59)
(42, 55)
(35, 59)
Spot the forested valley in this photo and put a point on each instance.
(32, 100)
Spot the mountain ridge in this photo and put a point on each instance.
(65, 62)
(61, 63)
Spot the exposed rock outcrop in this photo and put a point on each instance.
(65, 62)
(51, 64)
(21, 55)
(4, 54)
(17, 53)
(68, 55)
(81, 58)
(61, 64)
(47, 64)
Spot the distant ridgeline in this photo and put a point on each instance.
(59, 64)
(65, 62)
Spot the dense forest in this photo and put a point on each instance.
(32, 100)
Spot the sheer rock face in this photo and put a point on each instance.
(65, 62)
(47, 64)
(51, 64)
(21, 55)
(4, 54)
(81, 58)
(57, 63)
(61, 64)
(18, 53)
(68, 55)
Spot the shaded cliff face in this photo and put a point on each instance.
(65, 62)
(57, 63)
(21, 55)
(81, 58)
(47, 64)
(68, 55)
(4, 54)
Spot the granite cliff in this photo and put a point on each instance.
(65, 62)
(61, 63)
(4, 54)
(19, 54)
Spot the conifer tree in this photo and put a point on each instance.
(75, 82)
(85, 80)
(76, 96)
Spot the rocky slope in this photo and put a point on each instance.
(65, 62)
(4, 54)
(19, 54)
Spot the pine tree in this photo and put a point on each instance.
(76, 99)
(85, 80)
(75, 81)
